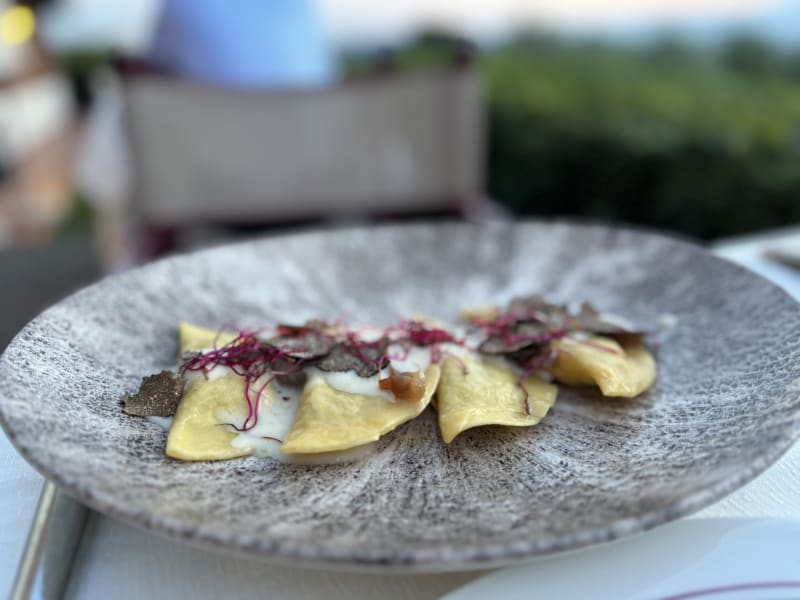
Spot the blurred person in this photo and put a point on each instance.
(248, 44)
(38, 131)
(243, 44)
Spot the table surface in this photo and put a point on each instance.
(117, 560)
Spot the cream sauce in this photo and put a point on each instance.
(415, 359)
(276, 415)
(350, 382)
(163, 422)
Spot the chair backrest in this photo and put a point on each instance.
(408, 143)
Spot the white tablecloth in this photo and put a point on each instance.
(120, 562)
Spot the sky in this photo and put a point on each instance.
(366, 19)
(127, 23)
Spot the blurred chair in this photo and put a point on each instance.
(384, 147)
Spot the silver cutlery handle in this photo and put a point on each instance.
(52, 545)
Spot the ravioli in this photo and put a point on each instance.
(488, 394)
(329, 419)
(471, 389)
(624, 369)
(198, 431)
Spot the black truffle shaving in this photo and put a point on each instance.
(524, 333)
(558, 317)
(363, 359)
(516, 337)
(592, 321)
(554, 316)
(158, 396)
(305, 345)
(289, 373)
(540, 355)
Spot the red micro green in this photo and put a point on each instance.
(417, 333)
(248, 356)
(532, 366)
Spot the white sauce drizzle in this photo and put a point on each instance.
(332, 458)
(417, 359)
(163, 422)
(350, 382)
(276, 413)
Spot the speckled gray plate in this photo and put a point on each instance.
(726, 403)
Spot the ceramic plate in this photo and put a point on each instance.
(726, 403)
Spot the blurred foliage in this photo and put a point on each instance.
(79, 218)
(700, 141)
(80, 66)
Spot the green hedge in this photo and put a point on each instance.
(602, 132)
(667, 136)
